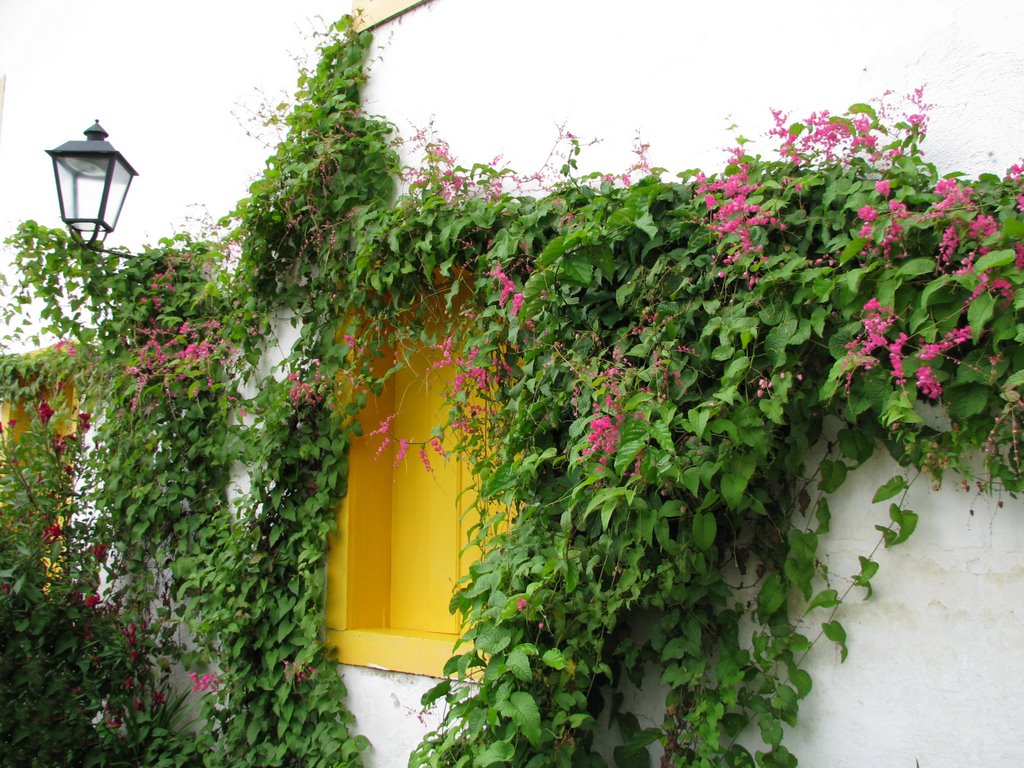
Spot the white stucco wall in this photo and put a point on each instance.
(934, 665)
(497, 77)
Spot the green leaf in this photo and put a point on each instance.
(626, 757)
(662, 434)
(1013, 228)
(437, 692)
(801, 680)
(993, 259)
(835, 632)
(862, 109)
(771, 597)
(979, 312)
(697, 421)
(632, 440)
(800, 566)
(493, 639)
(916, 267)
(891, 487)
(856, 445)
(734, 481)
(854, 247)
(771, 729)
(645, 223)
(527, 716)
(576, 270)
(608, 499)
(554, 658)
(779, 337)
(827, 598)
(868, 569)
(833, 475)
(906, 522)
(967, 400)
(252, 732)
(498, 752)
(823, 515)
(519, 665)
(704, 529)
(1014, 380)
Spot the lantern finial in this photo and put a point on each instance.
(95, 132)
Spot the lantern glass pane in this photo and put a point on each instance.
(119, 181)
(81, 184)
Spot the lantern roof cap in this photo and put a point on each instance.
(95, 144)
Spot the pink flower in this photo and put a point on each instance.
(66, 346)
(882, 187)
(896, 357)
(521, 605)
(507, 286)
(926, 383)
(604, 435)
(867, 213)
(205, 683)
(403, 448)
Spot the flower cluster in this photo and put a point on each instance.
(297, 673)
(508, 289)
(205, 683)
(301, 393)
(734, 216)
(605, 425)
(877, 321)
(823, 138)
(189, 353)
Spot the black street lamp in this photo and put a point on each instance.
(92, 183)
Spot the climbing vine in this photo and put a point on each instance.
(658, 384)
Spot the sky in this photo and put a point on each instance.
(176, 85)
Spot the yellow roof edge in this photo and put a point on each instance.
(369, 14)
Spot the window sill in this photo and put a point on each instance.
(394, 650)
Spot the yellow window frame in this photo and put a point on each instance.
(400, 547)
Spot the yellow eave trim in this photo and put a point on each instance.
(368, 14)
(394, 650)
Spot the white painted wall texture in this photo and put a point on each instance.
(934, 669)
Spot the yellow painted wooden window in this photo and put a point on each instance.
(401, 534)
